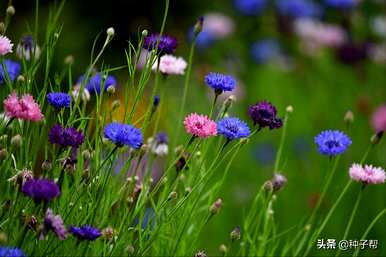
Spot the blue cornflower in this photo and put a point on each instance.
(265, 50)
(13, 70)
(123, 134)
(167, 44)
(7, 251)
(95, 82)
(341, 4)
(232, 128)
(332, 142)
(59, 100)
(220, 82)
(298, 8)
(85, 232)
(250, 7)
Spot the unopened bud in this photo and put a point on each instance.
(235, 234)
(130, 249)
(86, 154)
(110, 32)
(11, 10)
(2, 27)
(3, 154)
(278, 181)
(111, 89)
(289, 109)
(223, 249)
(20, 79)
(145, 32)
(69, 60)
(349, 117)
(228, 102)
(198, 26)
(16, 141)
(216, 206)
(376, 138)
(108, 233)
(173, 195)
(200, 254)
(268, 186)
(116, 104)
(188, 190)
(3, 238)
(46, 165)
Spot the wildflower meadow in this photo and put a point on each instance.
(193, 128)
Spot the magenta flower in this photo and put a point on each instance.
(5, 45)
(24, 108)
(378, 119)
(200, 125)
(55, 223)
(367, 174)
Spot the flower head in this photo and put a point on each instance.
(278, 181)
(41, 189)
(85, 232)
(13, 70)
(7, 251)
(167, 44)
(232, 128)
(298, 8)
(220, 82)
(159, 145)
(95, 83)
(332, 142)
(66, 136)
(59, 100)
(123, 134)
(27, 48)
(171, 65)
(264, 114)
(200, 125)
(24, 108)
(250, 7)
(378, 119)
(5, 45)
(367, 174)
(55, 223)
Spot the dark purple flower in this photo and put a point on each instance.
(85, 232)
(66, 136)
(264, 114)
(41, 189)
(167, 44)
(55, 223)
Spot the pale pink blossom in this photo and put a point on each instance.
(5, 45)
(378, 119)
(171, 65)
(24, 108)
(200, 125)
(218, 25)
(367, 174)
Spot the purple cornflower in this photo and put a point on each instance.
(264, 114)
(85, 232)
(232, 128)
(95, 83)
(167, 44)
(341, 4)
(220, 82)
(250, 7)
(41, 189)
(66, 136)
(298, 8)
(7, 251)
(55, 223)
(59, 100)
(123, 134)
(13, 70)
(332, 142)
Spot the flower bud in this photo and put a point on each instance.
(349, 117)
(198, 26)
(188, 190)
(278, 181)
(223, 249)
(11, 10)
(46, 165)
(110, 32)
(108, 233)
(111, 90)
(130, 249)
(3, 238)
(20, 79)
(69, 60)
(268, 186)
(200, 254)
(235, 234)
(86, 154)
(173, 195)
(145, 32)
(289, 109)
(216, 206)
(3, 154)
(376, 138)
(16, 141)
(116, 104)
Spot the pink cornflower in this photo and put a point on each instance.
(367, 174)
(200, 125)
(378, 119)
(5, 45)
(171, 65)
(24, 108)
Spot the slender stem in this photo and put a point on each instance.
(282, 140)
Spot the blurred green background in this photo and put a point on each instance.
(321, 88)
